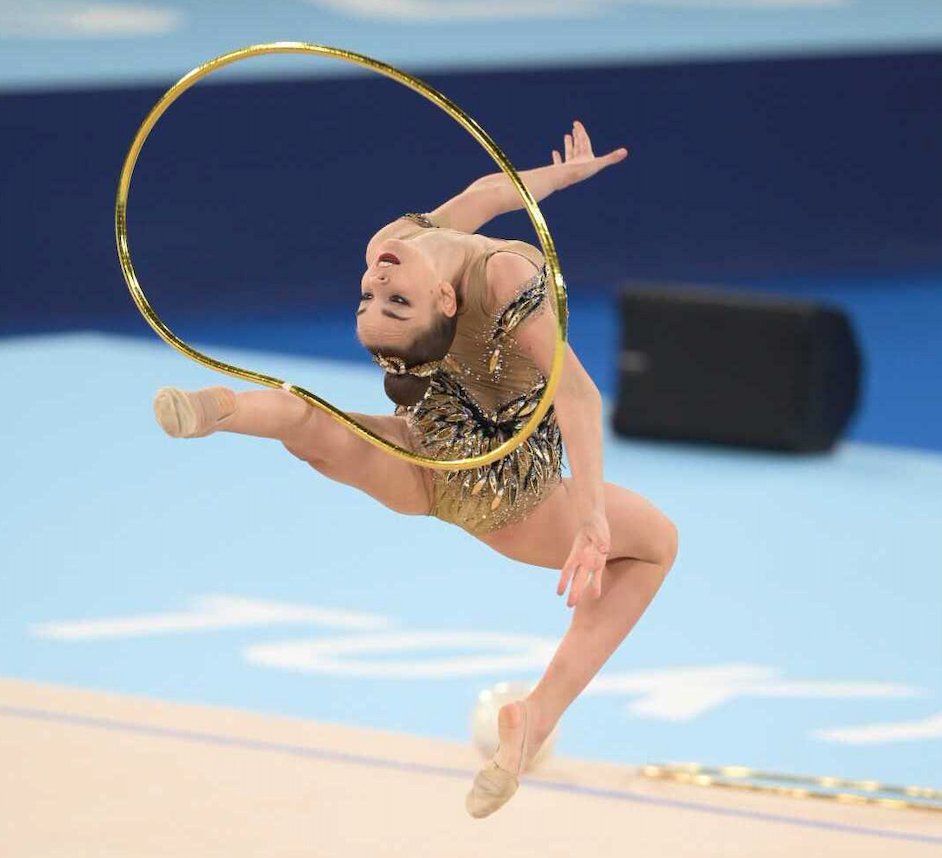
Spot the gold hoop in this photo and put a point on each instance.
(834, 789)
(557, 290)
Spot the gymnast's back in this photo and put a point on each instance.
(484, 354)
(482, 396)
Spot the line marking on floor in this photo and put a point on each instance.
(445, 771)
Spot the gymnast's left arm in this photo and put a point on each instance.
(578, 406)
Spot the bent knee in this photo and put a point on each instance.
(328, 460)
(305, 453)
(671, 544)
(314, 441)
(661, 543)
(302, 449)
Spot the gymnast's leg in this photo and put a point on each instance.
(307, 433)
(643, 548)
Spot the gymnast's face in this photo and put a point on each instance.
(401, 295)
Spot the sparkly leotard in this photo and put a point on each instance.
(482, 396)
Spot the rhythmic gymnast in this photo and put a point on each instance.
(459, 322)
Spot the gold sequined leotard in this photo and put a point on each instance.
(482, 396)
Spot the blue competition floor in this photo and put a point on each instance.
(897, 320)
(799, 631)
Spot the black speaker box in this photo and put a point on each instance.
(703, 364)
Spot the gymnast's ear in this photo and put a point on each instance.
(447, 300)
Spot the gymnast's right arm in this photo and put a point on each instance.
(493, 195)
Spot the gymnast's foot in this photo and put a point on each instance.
(520, 739)
(193, 414)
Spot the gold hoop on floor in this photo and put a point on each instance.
(557, 290)
(840, 790)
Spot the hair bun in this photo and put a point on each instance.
(405, 389)
(424, 356)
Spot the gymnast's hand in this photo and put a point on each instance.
(587, 555)
(580, 163)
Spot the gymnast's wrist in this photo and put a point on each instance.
(589, 502)
(565, 174)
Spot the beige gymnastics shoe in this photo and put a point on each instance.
(183, 414)
(494, 785)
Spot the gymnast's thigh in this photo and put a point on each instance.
(544, 538)
(336, 452)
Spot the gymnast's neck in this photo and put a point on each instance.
(453, 253)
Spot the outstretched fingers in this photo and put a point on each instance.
(581, 142)
(577, 149)
(582, 573)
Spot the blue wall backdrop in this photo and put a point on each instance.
(253, 191)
